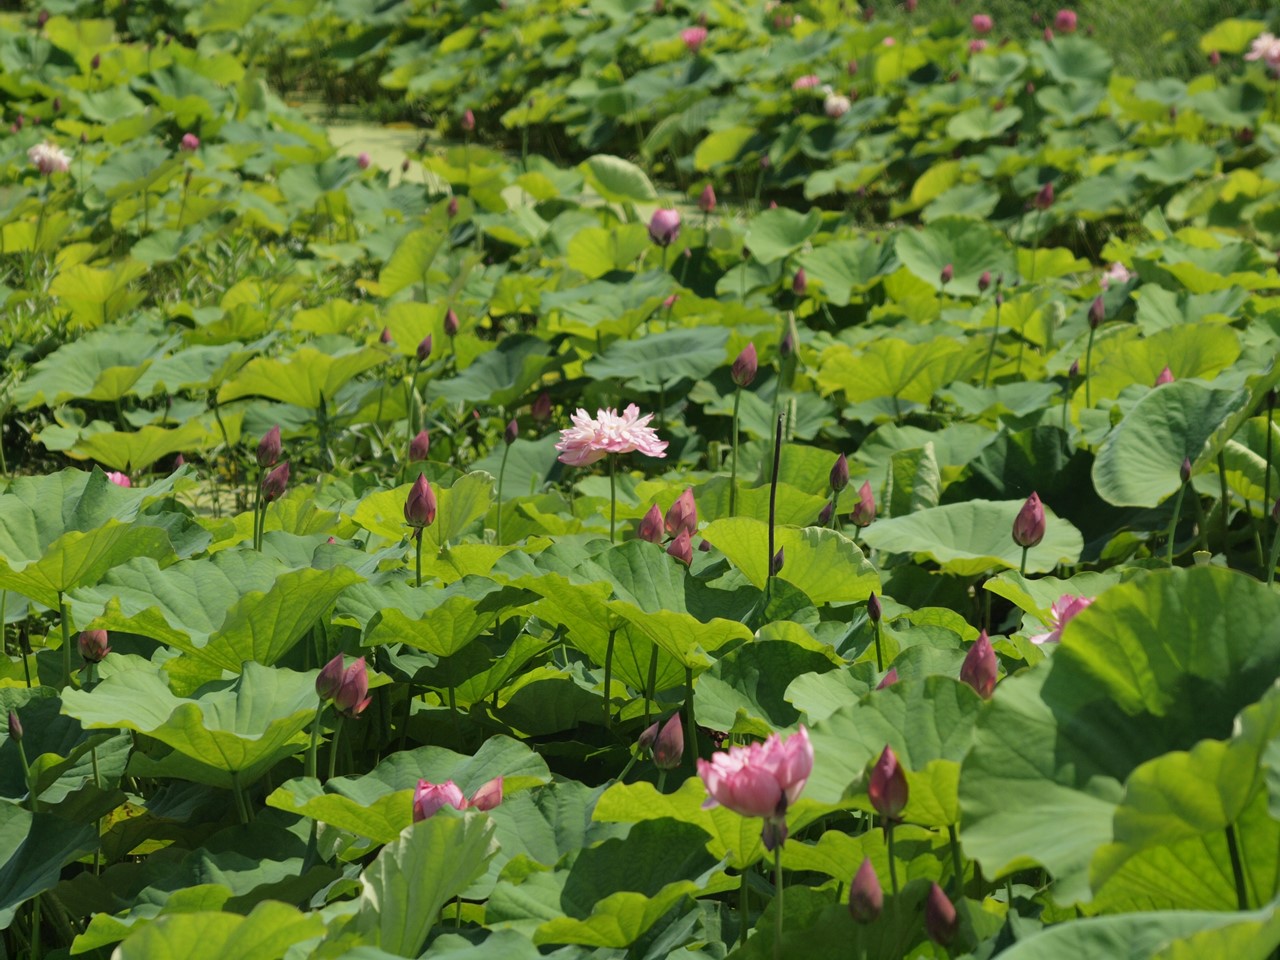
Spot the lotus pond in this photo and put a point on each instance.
(678, 480)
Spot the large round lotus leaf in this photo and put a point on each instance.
(618, 180)
(1074, 59)
(779, 233)
(970, 247)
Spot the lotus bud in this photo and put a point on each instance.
(420, 505)
(707, 199)
(864, 511)
(1215, 58)
(982, 23)
(452, 208)
(352, 695)
(683, 515)
(851, 68)
(329, 679)
(363, 161)
(419, 446)
(269, 448)
(826, 513)
(787, 347)
(670, 302)
(15, 727)
(889, 679)
(430, 798)
(1166, 376)
(1275, 512)
(875, 610)
(541, 408)
(1097, 312)
(800, 283)
(119, 479)
(668, 747)
(979, 669)
(510, 434)
(424, 349)
(1048, 35)
(1029, 524)
(682, 548)
(96, 62)
(704, 546)
(450, 323)
(1074, 370)
(404, 165)
(42, 18)
(866, 897)
(488, 796)
(664, 226)
(887, 789)
(984, 281)
(940, 920)
(190, 143)
(93, 645)
(275, 482)
(385, 336)
(910, 5)
(1044, 199)
(745, 367)
(650, 528)
(57, 104)
(948, 272)
(646, 740)
(468, 121)
(1185, 471)
(179, 461)
(839, 476)
(775, 565)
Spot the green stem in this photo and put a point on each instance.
(502, 469)
(613, 500)
(662, 781)
(1022, 567)
(418, 557)
(333, 746)
(627, 769)
(1275, 555)
(608, 678)
(893, 866)
(1266, 482)
(733, 457)
(651, 686)
(1177, 513)
(32, 801)
(875, 632)
(1088, 369)
(991, 348)
(835, 510)
(65, 617)
(777, 893)
(773, 500)
(690, 731)
(1226, 500)
(1237, 868)
(242, 808)
(314, 748)
(1202, 523)
(957, 863)
(36, 952)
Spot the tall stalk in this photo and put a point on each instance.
(733, 457)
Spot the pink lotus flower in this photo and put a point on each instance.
(745, 367)
(760, 780)
(694, 38)
(681, 548)
(119, 479)
(1064, 21)
(352, 695)
(1267, 49)
(650, 528)
(887, 789)
(664, 226)
(683, 515)
(1166, 376)
(1060, 614)
(807, 82)
(889, 42)
(429, 797)
(48, 159)
(363, 161)
(980, 669)
(190, 143)
(1116, 273)
(1029, 525)
(982, 23)
(590, 440)
(93, 645)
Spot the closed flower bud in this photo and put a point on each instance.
(826, 513)
(650, 527)
(352, 695)
(1065, 21)
(707, 199)
(682, 548)
(269, 448)
(419, 446)
(1215, 58)
(1074, 370)
(541, 408)
(1185, 471)
(979, 669)
(648, 737)
(889, 679)
(866, 896)
(779, 558)
(1029, 524)
(329, 679)
(1166, 376)
(668, 746)
(864, 511)
(745, 367)
(385, 336)
(190, 143)
(948, 272)
(683, 515)
(275, 482)
(468, 121)
(93, 645)
(940, 920)
(450, 323)
(42, 18)
(15, 727)
(512, 432)
(1044, 199)
(887, 789)
(1097, 312)
(363, 161)
(984, 281)
(96, 62)
(800, 283)
(875, 610)
(839, 476)
(452, 208)
(424, 349)
(420, 505)
(787, 346)
(664, 226)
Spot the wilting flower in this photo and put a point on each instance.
(1267, 49)
(590, 440)
(866, 897)
(420, 505)
(1060, 614)
(807, 82)
(1116, 273)
(352, 695)
(49, 159)
(269, 448)
(190, 143)
(887, 789)
(1064, 21)
(940, 920)
(119, 479)
(836, 105)
(93, 645)
(681, 548)
(745, 367)
(329, 679)
(429, 797)
(1166, 376)
(760, 780)
(275, 482)
(707, 199)
(683, 515)
(1029, 524)
(419, 446)
(664, 226)
(979, 669)
(982, 23)
(650, 527)
(694, 38)
(864, 511)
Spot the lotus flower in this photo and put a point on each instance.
(887, 789)
(49, 159)
(190, 143)
(1029, 524)
(745, 367)
(275, 483)
(1116, 273)
(940, 920)
(650, 527)
(667, 743)
(419, 446)
(694, 38)
(590, 440)
(420, 505)
(93, 645)
(979, 669)
(681, 548)
(269, 448)
(352, 695)
(119, 479)
(1097, 312)
(874, 609)
(1065, 21)
(836, 105)
(839, 476)
(864, 511)
(1166, 376)
(707, 199)
(807, 82)
(760, 780)
(329, 679)
(866, 897)
(431, 797)
(683, 515)
(664, 226)
(450, 323)
(423, 352)
(468, 121)
(982, 23)
(1060, 614)
(1266, 48)
(363, 161)
(1044, 199)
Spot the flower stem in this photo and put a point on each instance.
(1266, 482)
(893, 866)
(773, 498)
(1088, 369)
(650, 689)
(957, 864)
(875, 632)
(662, 781)
(32, 802)
(1173, 524)
(315, 741)
(777, 917)
(1226, 500)
(333, 747)
(1237, 868)
(608, 678)
(65, 617)
(242, 808)
(744, 907)
(502, 469)
(1275, 555)
(991, 348)
(1022, 567)
(733, 457)
(418, 558)
(613, 501)
(690, 731)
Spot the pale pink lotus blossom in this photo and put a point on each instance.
(664, 226)
(807, 82)
(1116, 273)
(977, 45)
(889, 42)
(694, 38)
(836, 105)
(760, 780)
(119, 479)
(48, 159)
(1267, 49)
(429, 797)
(590, 440)
(1060, 614)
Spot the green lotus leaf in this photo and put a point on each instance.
(827, 565)
(896, 369)
(662, 358)
(501, 376)
(744, 691)
(307, 378)
(776, 234)
(36, 847)
(272, 929)
(970, 247)
(457, 508)
(442, 622)
(103, 365)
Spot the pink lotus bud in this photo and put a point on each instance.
(1166, 376)
(682, 548)
(984, 281)
(15, 727)
(275, 482)
(839, 476)
(707, 199)
(875, 610)
(363, 161)
(121, 480)
(329, 679)
(910, 5)
(510, 434)
(694, 38)
(419, 446)
(1097, 312)
(1215, 58)
(1044, 199)
(352, 695)
(430, 798)
(450, 323)
(868, 14)
(704, 546)
(683, 515)
(541, 409)
(1064, 21)
(488, 796)
(1074, 370)
(452, 208)
(948, 272)
(745, 367)
(668, 746)
(1029, 524)
(468, 121)
(190, 143)
(851, 68)
(93, 645)
(889, 679)
(179, 461)
(57, 104)
(977, 45)
(1048, 35)
(864, 511)
(670, 302)
(664, 226)
(385, 336)
(96, 62)
(1184, 472)
(424, 349)
(269, 448)
(982, 23)
(650, 528)
(866, 897)
(979, 669)
(800, 283)
(940, 920)
(420, 505)
(787, 346)
(887, 789)
(42, 18)
(776, 564)
(648, 737)
(889, 42)
(826, 513)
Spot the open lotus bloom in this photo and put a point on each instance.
(1060, 614)
(430, 797)
(589, 440)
